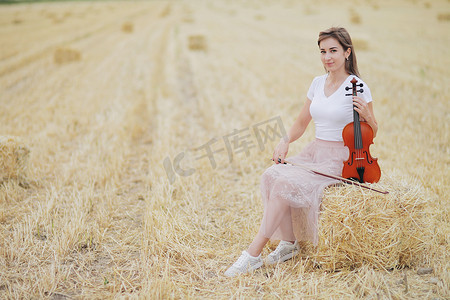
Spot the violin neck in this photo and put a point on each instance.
(357, 130)
(355, 116)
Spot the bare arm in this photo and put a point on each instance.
(296, 131)
(300, 124)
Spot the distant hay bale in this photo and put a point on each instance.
(127, 27)
(260, 17)
(360, 44)
(57, 19)
(443, 17)
(66, 55)
(309, 10)
(188, 19)
(197, 43)
(354, 17)
(166, 11)
(366, 228)
(14, 156)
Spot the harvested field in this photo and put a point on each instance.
(134, 135)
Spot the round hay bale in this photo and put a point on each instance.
(66, 55)
(355, 18)
(127, 27)
(443, 17)
(188, 19)
(359, 227)
(360, 44)
(197, 43)
(166, 11)
(14, 156)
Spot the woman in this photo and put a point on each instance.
(290, 194)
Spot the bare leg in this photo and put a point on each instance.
(279, 216)
(257, 245)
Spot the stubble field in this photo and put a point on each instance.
(108, 110)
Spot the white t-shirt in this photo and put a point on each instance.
(331, 114)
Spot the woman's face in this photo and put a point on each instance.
(333, 55)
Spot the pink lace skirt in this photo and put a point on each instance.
(292, 195)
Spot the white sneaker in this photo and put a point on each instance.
(246, 263)
(284, 251)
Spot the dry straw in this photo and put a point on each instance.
(66, 55)
(360, 228)
(14, 156)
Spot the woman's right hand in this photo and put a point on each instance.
(281, 151)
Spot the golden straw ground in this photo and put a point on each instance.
(100, 218)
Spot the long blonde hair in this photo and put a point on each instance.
(343, 37)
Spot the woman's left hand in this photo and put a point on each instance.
(362, 107)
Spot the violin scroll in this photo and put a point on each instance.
(353, 87)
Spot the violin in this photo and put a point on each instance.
(358, 136)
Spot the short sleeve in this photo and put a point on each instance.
(312, 89)
(366, 94)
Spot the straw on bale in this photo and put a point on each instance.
(127, 27)
(14, 156)
(66, 55)
(360, 227)
(197, 43)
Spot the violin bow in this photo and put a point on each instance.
(349, 181)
